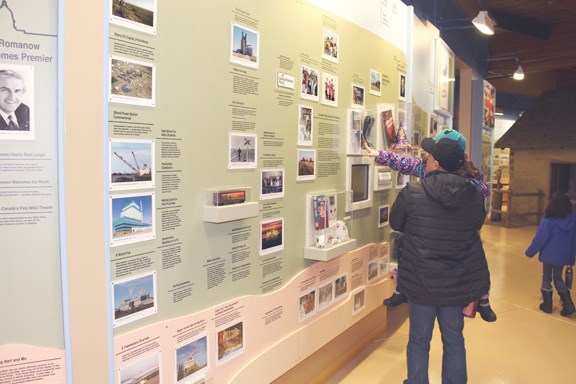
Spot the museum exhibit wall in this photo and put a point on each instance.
(164, 111)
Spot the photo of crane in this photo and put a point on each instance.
(131, 164)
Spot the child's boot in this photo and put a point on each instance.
(567, 304)
(396, 299)
(486, 313)
(546, 305)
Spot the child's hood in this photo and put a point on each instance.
(566, 224)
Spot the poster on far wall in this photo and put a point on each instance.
(488, 117)
(445, 76)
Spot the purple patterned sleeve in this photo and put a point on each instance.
(406, 165)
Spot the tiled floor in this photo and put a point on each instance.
(524, 346)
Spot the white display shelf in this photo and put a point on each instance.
(225, 213)
(325, 254)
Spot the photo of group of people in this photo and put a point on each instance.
(330, 86)
(309, 85)
(330, 46)
(272, 183)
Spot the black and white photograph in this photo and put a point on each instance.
(132, 82)
(131, 164)
(329, 89)
(139, 15)
(245, 46)
(402, 88)
(305, 125)
(16, 102)
(134, 298)
(272, 183)
(242, 148)
(271, 236)
(309, 84)
(306, 164)
(375, 82)
(330, 46)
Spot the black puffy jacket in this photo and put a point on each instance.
(443, 260)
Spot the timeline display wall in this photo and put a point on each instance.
(248, 102)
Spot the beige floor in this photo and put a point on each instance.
(523, 346)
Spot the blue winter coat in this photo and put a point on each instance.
(555, 239)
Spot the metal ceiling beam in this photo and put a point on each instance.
(521, 25)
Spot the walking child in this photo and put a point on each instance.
(555, 239)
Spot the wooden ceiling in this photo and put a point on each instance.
(540, 33)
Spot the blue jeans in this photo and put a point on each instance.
(451, 322)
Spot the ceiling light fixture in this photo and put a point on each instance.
(484, 23)
(519, 74)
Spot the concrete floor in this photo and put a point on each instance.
(523, 346)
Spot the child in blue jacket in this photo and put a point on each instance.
(555, 239)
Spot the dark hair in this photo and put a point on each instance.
(559, 206)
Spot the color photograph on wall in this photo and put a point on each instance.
(358, 301)
(272, 183)
(271, 236)
(305, 125)
(306, 164)
(373, 270)
(145, 370)
(309, 83)
(244, 46)
(131, 164)
(389, 137)
(488, 120)
(242, 150)
(307, 305)
(341, 287)
(357, 96)
(325, 295)
(131, 218)
(132, 82)
(383, 212)
(375, 82)
(134, 298)
(331, 46)
(329, 89)
(230, 342)
(139, 15)
(192, 360)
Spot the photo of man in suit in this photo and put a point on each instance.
(15, 115)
